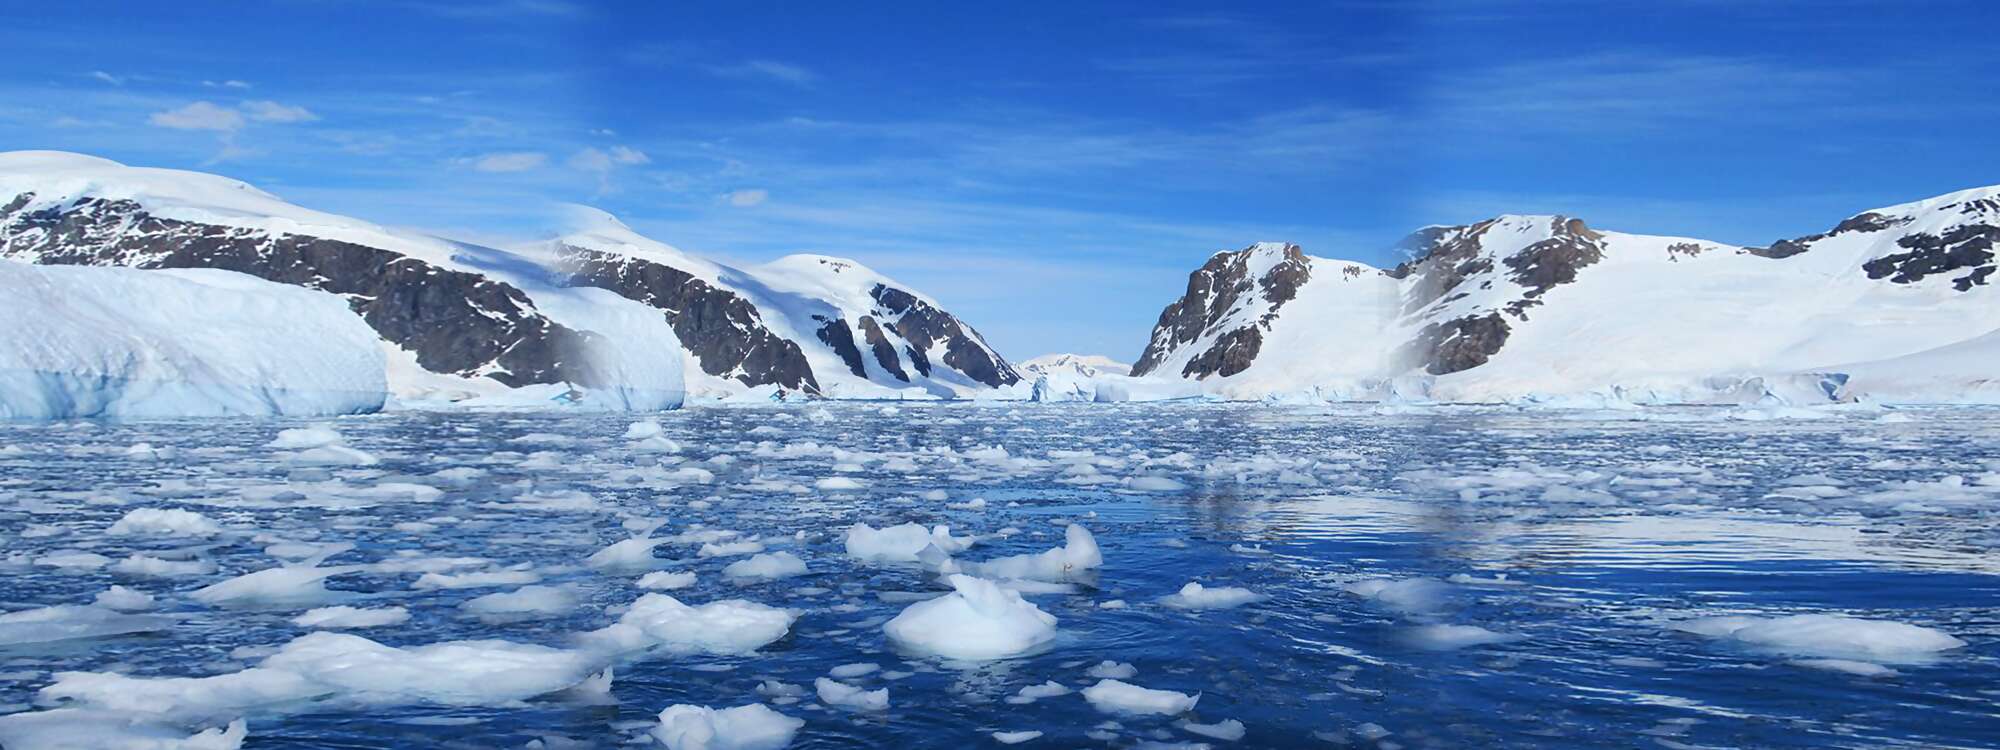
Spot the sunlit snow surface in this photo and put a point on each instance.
(1422, 577)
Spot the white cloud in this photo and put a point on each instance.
(270, 111)
(748, 198)
(200, 116)
(626, 155)
(229, 84)
(107, 78)
(510, 161)
(769, 69)
(593, 159)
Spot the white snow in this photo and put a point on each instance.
(977, 621)
(1113, 696)
(751, 727)
(117, 342)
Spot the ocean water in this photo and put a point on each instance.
(1544, 570)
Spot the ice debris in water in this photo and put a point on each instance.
(287, 585)
(163, 522)
(1113, 696)
(348, 618)
(1078, 555)
(66, 622)
(903, 543)
(766, 566)
(643, 429)
(1406, 595)
(124, 600)
(751, 727)
(1112, 670)
(301, 438)
(842, 695)
(1829, 636)
(977, 621)
(1196, 596)
(1452, 637)
(1016, 738)
(324, 667)
(661, 580)
(1032, 693)
(632, 554)
(522, 603)
(1227, 730)
(661, 622)
(79, 729)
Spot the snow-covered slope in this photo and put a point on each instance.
(116, 342)
(1523, 305)
(807, 323)
(458, 320)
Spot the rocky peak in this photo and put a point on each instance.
(1235, 293)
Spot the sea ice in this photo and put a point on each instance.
(1227, 730)
(1828, 636)
(1113, 696)
(526, 601)
(769, 565)
(1406, 595)
(164, 522)
(1032, 693)
(842, 695)
(288, 585)
(1078, 554)
(66, 622)
(1112, 670)
(124, 600)
(1453, 637)
(1196, 596)
(751, 727)
(660, 580)
(901, 543)
(659, 621)
(977, 621)
(1016, 738)
(347, 618)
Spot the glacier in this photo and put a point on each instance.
(122, 343)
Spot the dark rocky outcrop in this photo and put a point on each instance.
(926, 327)
(1454, 345)
(835, 334)
(1967, 247)
(454, 321)
(1212, 292)
(724, 331)
(885, 352)
(1862, 222)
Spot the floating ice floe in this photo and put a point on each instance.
(766, 566)
(301, 438)
(327, 667)
(163, 522)
(632, 554)
(901, 543)
(1112, 670)
(1196, 596)
(842, 695)
(1078, 555)
(660, 580)
(751, 727)
(1227, 730)
(349, 618)
(661, 622)
(1016, 738)
(68, 622)
(730, 549)
(79, 729)
(147, 566)
(1453, 637)
(477, 579)
(288, 585)
(1113, 696)
(1032, 693)
(1406, 595)
(1828, 636)
(643, 429)
(977, 621)
(124, 600)
(522, 603)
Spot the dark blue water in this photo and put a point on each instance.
(1606, 531)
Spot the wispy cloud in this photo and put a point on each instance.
(768, 70)
(747, 198)
(511, 161)
(270, 111)
(107, 78)
(201, 115)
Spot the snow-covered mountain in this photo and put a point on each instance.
(1084, 365)
(809, 323)
(602, 314)
(1519, 306)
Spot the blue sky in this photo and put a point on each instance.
(1051, 171)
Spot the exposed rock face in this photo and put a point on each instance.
(1966, 248)
(885, 353)
(454, 321)
(926, 327)
(1460, 344)
(1252, 284)
(725, 332)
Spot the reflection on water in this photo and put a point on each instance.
(1559, 548)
